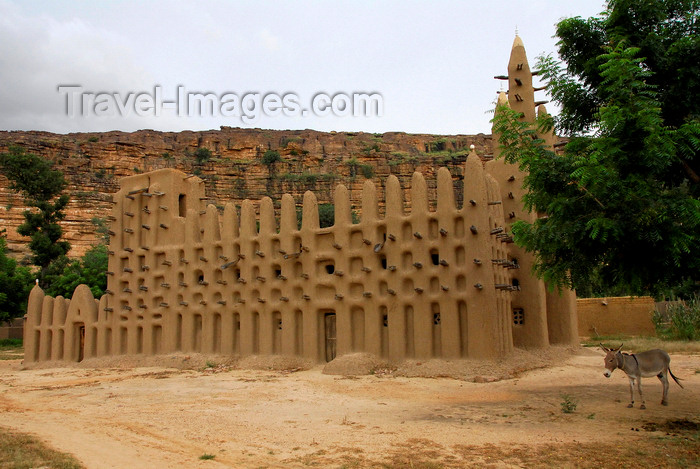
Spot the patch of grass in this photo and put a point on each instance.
(10, 343)
(207, 456)
(400, 157)
(11, 349)
(568, 404)
(635, 344)
(22, 451)
(307, 178)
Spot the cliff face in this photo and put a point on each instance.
(234, 168)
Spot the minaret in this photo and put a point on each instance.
(529, 305)
(521, 93)
(540, 317)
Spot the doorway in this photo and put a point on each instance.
(80, 340)
(329, 322)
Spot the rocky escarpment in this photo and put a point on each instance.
(233, 164)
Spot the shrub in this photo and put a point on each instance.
(366, 169)
(15, 285)
(569, 404)
(64, 275)
(202, 155)
(271, 157)
(680, 321)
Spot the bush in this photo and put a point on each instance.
(366, 169)
(15, 284)
(202, 155)
(64, 275)
(681, 320)
(270, 157)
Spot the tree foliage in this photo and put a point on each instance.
(15, 285)
(64, 275)
(202, 155)
(620, 204)
(270, 157)
(41, 186)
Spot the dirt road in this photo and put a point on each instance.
(163, 417)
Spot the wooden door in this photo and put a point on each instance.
(81, 341)
(329, 320)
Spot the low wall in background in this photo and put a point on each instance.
(14, 330)
(620, 315)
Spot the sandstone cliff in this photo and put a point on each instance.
(93, 163)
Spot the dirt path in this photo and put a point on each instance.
(167, 418)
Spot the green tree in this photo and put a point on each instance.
(64, 275)
(15, 284)
(202, 155)
(41, 186)
(326, 215)
(621, 202)
(271, 157)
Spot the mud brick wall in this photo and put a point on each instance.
(619, 315)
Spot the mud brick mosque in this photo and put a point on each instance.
(447, 283)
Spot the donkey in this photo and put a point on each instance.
(640, 365)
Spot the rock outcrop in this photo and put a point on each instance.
(234, 167)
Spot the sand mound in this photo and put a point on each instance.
(180, 361)
(185, 361)
(510, 366)
(355, 364)
(274, 362)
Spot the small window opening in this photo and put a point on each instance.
(330, 268)
(182, 205)
(436, 319)
(198, 276)
(435, 257)
(385, 320)
(518, 316)
(382, 260)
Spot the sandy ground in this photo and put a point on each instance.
(290, 414)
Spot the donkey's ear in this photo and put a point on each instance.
(619, 348)
(605, 349)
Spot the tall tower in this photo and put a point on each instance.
(521, 93)
(539, 317)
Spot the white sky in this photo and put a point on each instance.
(432, 62)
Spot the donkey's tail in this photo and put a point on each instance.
(674, 377)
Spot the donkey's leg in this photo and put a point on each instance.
(663, 377)
(631, 404)
(639, 388)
